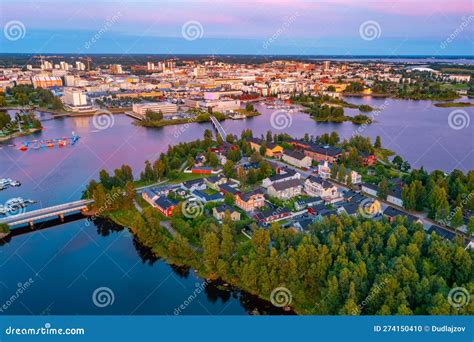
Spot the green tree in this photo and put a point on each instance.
(228, 168)
(383, 189)
(438, 206)
(378, 142)
(457, 219)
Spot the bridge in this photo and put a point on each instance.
(58, 210)
(55, 211)
(219, 129)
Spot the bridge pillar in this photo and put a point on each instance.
(31, 223)
(61, 217)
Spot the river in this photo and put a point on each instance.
(67, 263)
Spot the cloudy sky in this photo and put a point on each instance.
(343, 27)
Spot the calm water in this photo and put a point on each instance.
(68, 262)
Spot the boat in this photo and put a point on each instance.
(23, 148)
(50, 145)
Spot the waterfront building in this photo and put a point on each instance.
(165, 108)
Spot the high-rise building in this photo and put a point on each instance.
(327, 65)
(64, 66)
(45, 65)
(116, 69)
(150, 66)
(75, 97)
(69, 80)
(80, 66)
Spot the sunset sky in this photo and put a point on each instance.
(241, 27)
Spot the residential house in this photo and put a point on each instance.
(215, 181)
(368, 159)
(394, 196)
(250, 201)
(308, 202)
(219, 212)
(285, 175)
(297, 158)
(195, 184)
(324, 171)
(272, 150)
(162, 203)
(208, 197)
(390, 213)
(448, 235)
(316, 186)
(286, 189)
(370, 189)
(272, 214)
(227, 188)
(351, 209)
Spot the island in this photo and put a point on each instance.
(326, 221)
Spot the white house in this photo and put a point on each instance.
(316, 186)
(324, 171)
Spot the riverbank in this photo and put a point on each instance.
(196, 119)
(166, 251)
(19, 134)
(454, 104)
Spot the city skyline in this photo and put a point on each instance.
(340, 27)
